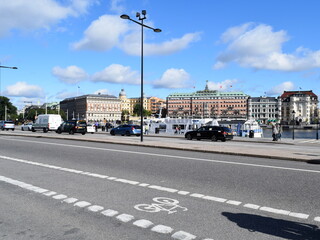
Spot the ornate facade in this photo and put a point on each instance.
(92, 107)
(208, 103)
(265, 109)
(299, 107)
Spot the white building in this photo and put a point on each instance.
(299, 106)
(264, 109)
(92, 107)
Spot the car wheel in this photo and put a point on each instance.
(112, 133)
(189, 137)
(45, 130)
(198, 139)
(83, 133)
(58, 131)
(71, 132)
(33, 130)
(214, 138)
(2, 128)
(22, 129)
(12, 129)
(223, 140)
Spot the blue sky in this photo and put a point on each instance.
(65, 48)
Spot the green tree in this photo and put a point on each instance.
(137, 111)
(5, 104)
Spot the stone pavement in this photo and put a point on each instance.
(286, 149)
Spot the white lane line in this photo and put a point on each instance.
(95, 208)
(125, 218)
(173, 157)
(181, 235)
(252, 206)
(82, 204)
(232, 202)
(274, 210)
(299, 215)
(171, 190)
(317, 219)
(109, 213)
(143, 223)
(162, 229)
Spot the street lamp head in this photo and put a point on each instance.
(14, 68)
(144, 12)
(157, 30)
(125, 16)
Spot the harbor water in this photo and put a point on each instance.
(298, 133)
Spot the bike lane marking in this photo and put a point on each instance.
(122, 217)
(167, 189)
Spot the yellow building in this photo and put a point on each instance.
(152, 104)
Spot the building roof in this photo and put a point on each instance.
(290, 93)
(91, 96)
(208, 93)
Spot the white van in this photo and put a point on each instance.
(47, 122)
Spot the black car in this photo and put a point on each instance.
(214, 133)
(73, 126)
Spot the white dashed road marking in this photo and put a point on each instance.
(159, 188)
(123, 217)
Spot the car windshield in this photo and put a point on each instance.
(8, 122)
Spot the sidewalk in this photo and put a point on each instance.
(286, 149)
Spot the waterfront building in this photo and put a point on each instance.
(299, 107)
(152, 104)
(92, 107)
(208, 104)
(265, 109)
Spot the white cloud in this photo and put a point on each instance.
(173, 78)
(38, 14)
(259, 47)
(116, 73)
(279, 89)
(102, 91)
(71, 74)
(116, 6)
(22, 89)
(132, 44)
(224, 85)
(65, 94)
(103, 34)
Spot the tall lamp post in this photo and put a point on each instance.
(0, 82)
(293, 122)
(141, 16)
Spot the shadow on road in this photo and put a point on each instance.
(275, 227)
(314, 161)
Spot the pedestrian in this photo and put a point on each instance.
(96, 126)
(107, 127)
(274, 132)
(279, 131)
(147, 129)
(177, 129)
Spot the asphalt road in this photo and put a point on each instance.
(64, 189)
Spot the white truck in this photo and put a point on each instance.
(47, 122)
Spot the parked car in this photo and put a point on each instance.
(127, 129)
(26, 127)
(47, 122)
(91, 128)
(73, 126)
(214, 133)
(6, 125)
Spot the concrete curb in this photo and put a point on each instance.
(143, 144)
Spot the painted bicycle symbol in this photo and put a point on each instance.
(161, 204)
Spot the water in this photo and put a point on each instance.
(298, 133)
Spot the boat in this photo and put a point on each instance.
(251, 128)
